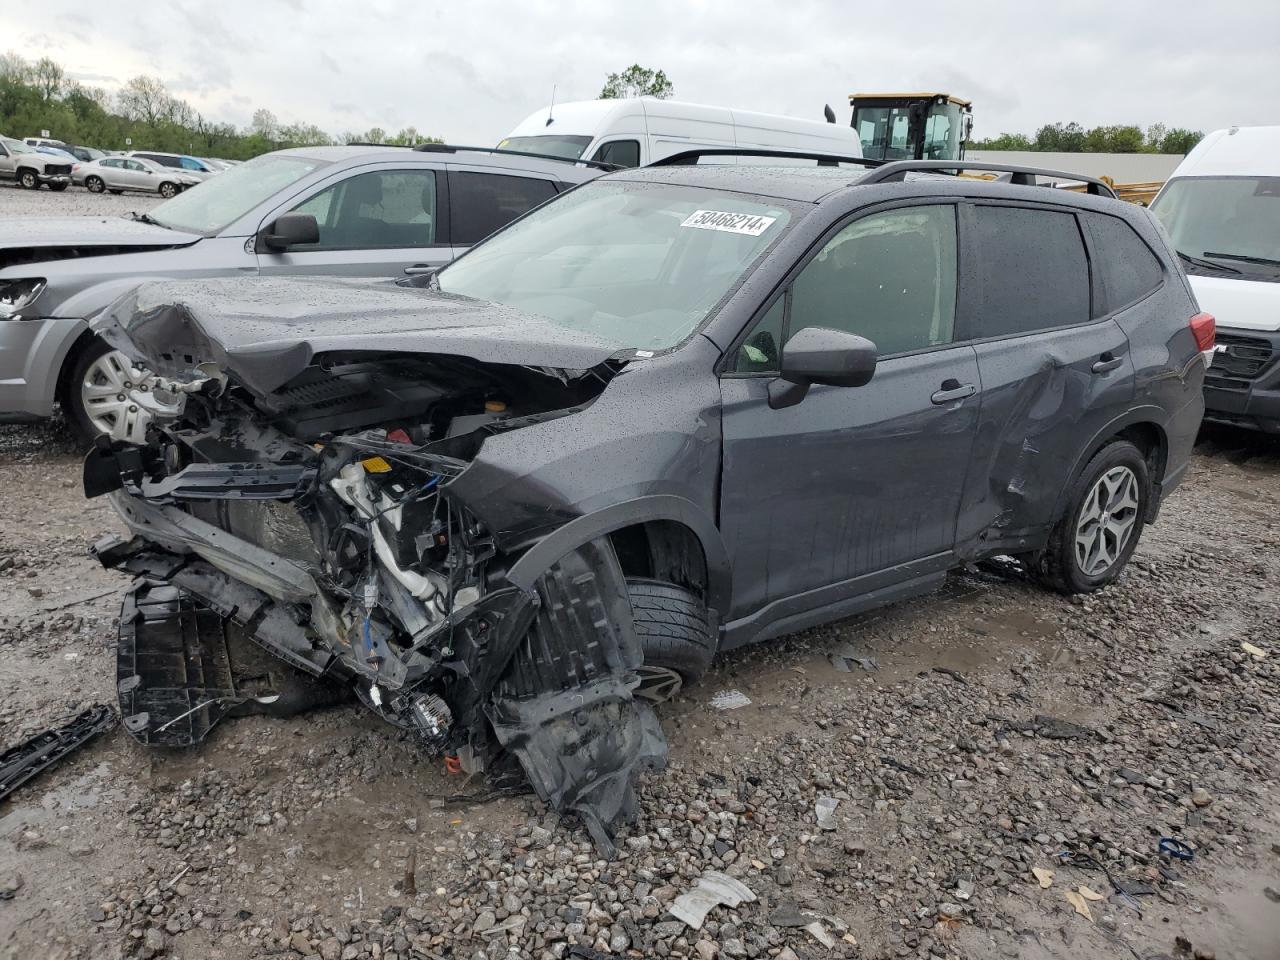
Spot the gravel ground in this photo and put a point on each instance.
(1001, 725)
(72, 202)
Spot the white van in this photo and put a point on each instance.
(636, 132)
(1221, 208)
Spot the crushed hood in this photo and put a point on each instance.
(45, 238)
(265, 331)
(1239, 304)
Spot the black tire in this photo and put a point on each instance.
(28, 180)
(58, 187)
(94, 184)
(168, 190)
(1059, 565)
(72, 401)
(673, 627)
(115, 191)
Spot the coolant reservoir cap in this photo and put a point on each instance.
(495, 406)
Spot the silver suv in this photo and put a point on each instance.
(348, 211)
(32, 169)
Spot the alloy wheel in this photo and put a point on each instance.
(1107, 520)
(107, 396)
(658, 684)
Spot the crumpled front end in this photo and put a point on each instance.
(317, 520)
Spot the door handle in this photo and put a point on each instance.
(418, 269)
(953, 389)
(1107, 362)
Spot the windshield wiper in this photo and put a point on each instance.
(1206, 264)
(147, 218)
(1244, 258)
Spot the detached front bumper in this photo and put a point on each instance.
(53, 178)
(1242, 384)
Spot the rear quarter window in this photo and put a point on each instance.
(1032, 271)
(1124, 265)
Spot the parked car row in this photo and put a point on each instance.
(147, 171)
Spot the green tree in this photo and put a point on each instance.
(637, 81)
(1181, 141)
(1006, 141)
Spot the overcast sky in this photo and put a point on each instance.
(469, 70)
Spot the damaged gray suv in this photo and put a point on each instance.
(677, 410)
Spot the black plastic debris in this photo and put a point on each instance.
(19, 764)
(173, 671)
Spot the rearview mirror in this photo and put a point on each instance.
(822, 355)
(289, 230)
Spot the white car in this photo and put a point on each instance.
(1221, 208)
(117, 174)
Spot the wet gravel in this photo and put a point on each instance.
(991, 728)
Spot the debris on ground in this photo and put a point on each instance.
(1043, 877)
(824, 811)
(1256, 652)
(713, 889)
(730, 700)
(19, 764)
(1078, 901)
(846, 656)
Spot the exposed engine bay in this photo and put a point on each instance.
(316, 520)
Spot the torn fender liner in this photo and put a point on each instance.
(565, 706)
(19, 764)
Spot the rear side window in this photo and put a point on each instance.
(480, 203)
(1032, 271)
(1126, 268)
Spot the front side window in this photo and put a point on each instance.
(229, 196)
(386, 208)
(1231, 224)
(621, 153)
(484, 202)
(889, 277)
(633, 264)
(1034, 274)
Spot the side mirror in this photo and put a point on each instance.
(821, 355)
(290, 230)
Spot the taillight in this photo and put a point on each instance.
(1205, 329)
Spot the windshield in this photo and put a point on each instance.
(635, 264)
(230, 195)
(17, 146)
(1230, 221)
(568, 148)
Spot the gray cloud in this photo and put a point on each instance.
(471, 71)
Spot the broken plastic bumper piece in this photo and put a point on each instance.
(21, 763)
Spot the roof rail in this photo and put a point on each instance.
(454, 148)
(688, 157)
(1022, 176)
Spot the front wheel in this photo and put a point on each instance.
(97, 398)
(1106, 509)
(168, 190)
(28, 180)
(58, 187)
(675, 636)
(115, 191)
(94, 185)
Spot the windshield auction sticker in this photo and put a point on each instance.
(749, 224)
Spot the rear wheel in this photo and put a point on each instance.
(168, 190)
(94, 184)
(1099, 529)
(675, 635)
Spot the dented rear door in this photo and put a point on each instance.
(1053, 374)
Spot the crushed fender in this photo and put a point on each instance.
(19, 764)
